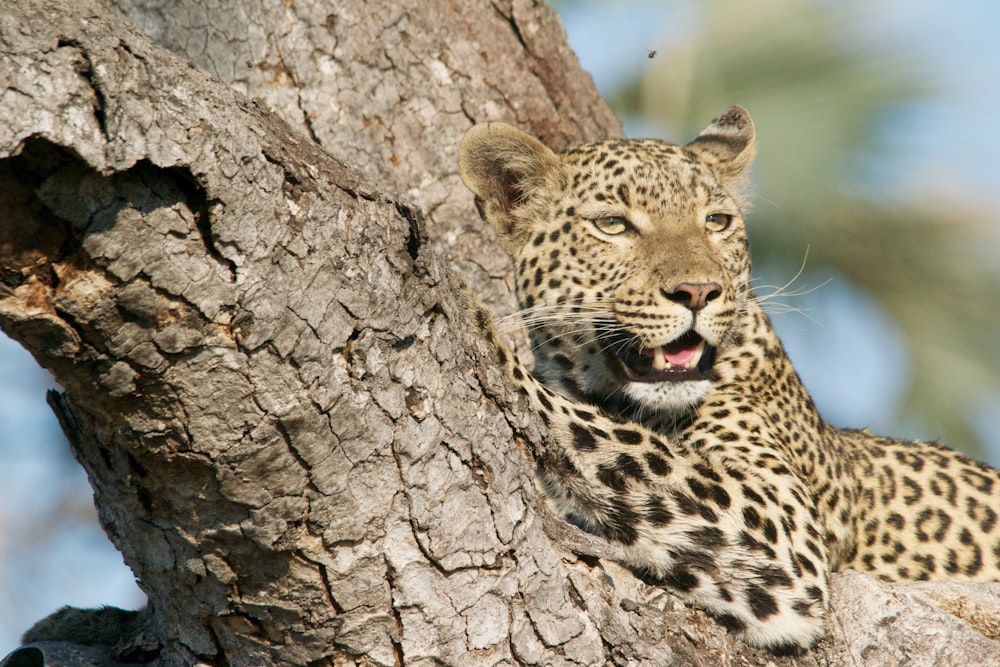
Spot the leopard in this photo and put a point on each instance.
(675, 425)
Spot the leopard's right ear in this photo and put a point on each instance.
(502, 165)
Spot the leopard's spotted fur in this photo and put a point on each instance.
(710, 466)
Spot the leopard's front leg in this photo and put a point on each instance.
(742, 543)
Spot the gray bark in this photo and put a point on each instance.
(391, 87)
(269, 375)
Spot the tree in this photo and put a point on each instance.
(292, 433)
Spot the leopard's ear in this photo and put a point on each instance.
(502, 165)
(728, 145)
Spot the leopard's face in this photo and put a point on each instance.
(631, 261)
(632, 278)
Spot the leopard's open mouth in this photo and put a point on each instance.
(689, 357)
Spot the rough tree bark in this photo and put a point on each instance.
(268, 373)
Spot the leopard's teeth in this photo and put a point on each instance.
(696, 357)
(659, 359)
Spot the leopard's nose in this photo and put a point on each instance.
(694, 295)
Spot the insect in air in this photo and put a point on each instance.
(651, 54)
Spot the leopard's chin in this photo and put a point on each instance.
(665, 402)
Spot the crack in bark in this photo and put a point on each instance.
(417, 235)
(397, 645)
(219, 656)
(85, 68)
(329, 590)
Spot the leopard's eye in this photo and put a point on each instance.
(717, 222)
(612, 225)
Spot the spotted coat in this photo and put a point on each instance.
(679, 428)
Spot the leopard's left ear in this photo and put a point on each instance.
(503, 166)
(500, 162)
(728, 145)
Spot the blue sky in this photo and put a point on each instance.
(955, 140)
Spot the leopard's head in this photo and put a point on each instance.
(631, 258)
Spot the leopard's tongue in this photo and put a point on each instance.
(679, 354)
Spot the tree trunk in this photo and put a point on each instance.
(269, 375)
